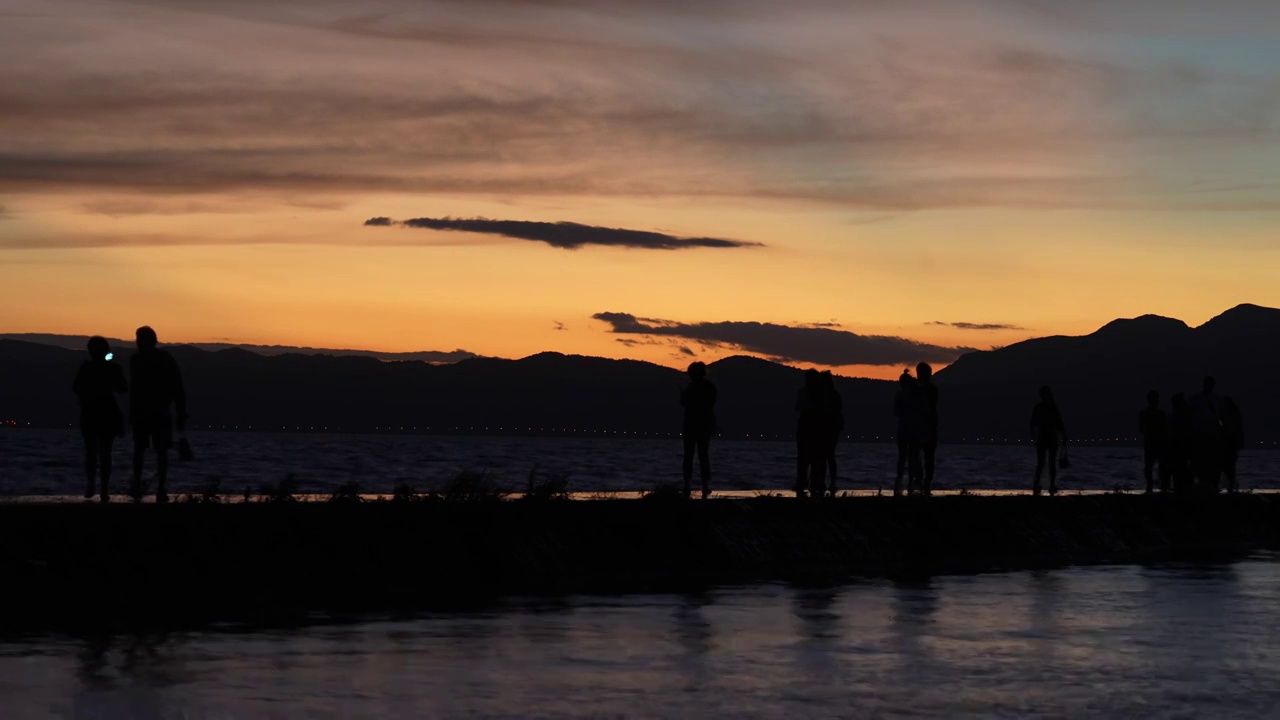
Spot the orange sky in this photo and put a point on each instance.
(208, 170)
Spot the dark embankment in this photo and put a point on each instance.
(87, 564)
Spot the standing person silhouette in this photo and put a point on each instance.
(832, 426)
(1206, 437)
(155, 390)
(909, 409)
(1232, 441)
(96, 385)
(1048, 430)
(699, 401)
(929, 402)
(811, 458)
(1154, 427)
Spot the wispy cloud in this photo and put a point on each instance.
(564, 235)
(976, 326)
(792, 343)
(866, 106)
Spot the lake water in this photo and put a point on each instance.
(48, 462)
(1167, 641)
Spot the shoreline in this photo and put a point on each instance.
(189, 562)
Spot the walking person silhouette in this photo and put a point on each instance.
(96, 385)
(1154, 427)
(929, 406)
(699, 401)
(155, 391)
(1048, 430)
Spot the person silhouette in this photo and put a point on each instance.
(699, 401)
(1049, 431)
(832, 425)
(1153, 426)
(1232, 441)
(1178, 450)
(811, 459)
(155, 389)
(96, 385)
(1206, 438)
(908, 407)
(929, 402)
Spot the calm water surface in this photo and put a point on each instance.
(48, 462)
(1171, 641)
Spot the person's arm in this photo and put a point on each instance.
(118, 382)
(133, 389)
(711, 403)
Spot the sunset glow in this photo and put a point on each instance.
(948, 175)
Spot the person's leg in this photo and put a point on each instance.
(802, 467)
(915, 468)
(818, 472)
(902, 465)
(1052, 460)
(1148, 466)
(704, 464)
(90, 461)
(831, 466)
(104, 466)
(162, 474)
(930, 454)
(687, 466)
(1041, 451)
(1229, 470)
(140, 443)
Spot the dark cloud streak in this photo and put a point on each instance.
(564, 235)
(976, 326)
(819, 345)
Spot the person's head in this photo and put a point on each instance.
(828, 380)
(1046, 394)
(1179, 401)
(697, 370)
(1209, 383)
(924, 371)
(1229, 405)
(99, 347)
(1153, 399)
(146, 338)
(905, 380)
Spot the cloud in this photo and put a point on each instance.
(565, 235)
(976, 326)
(861, 105)
(819, 345)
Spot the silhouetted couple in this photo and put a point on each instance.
(699, 401)
(915, 405)
(1197, 445)
(155, 389)
(818, 429)
(1050, 434)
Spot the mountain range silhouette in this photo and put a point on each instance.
(1101, 380)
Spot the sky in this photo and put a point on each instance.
(849, 184)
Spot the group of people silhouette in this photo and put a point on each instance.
(1195, 446)
(157, 404)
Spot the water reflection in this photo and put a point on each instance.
(1194, 640)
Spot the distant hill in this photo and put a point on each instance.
(77, 342)
(1100, 379)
